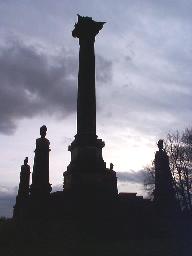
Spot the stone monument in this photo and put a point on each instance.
(23, 191)
(87, 170)
(164, 194)
(40, 177)
(24, 180)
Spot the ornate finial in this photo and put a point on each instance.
(86, 27)
(160, 144)
(43, 131)
(111, 166)
(26, 161)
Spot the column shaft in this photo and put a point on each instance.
(86, 101)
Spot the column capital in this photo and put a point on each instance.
(86, 28)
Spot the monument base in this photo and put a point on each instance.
(93, 184)
(40, 190)
(87, 172)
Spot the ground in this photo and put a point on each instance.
(70, 238)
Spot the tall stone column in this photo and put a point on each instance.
(86, 101)
(40, 177)
(85, 30)
(87, 169)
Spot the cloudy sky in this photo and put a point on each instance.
(143, 73)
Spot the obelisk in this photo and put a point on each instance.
(87, 170)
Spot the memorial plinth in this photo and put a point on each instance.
(87, 170)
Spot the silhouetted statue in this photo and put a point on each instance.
(23, 191)
(40, 178)
(87, 168)
(164, 194)
(111, 166)
(24, 179)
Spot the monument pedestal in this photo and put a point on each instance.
(104, 184)
(87, 170)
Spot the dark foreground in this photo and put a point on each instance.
(89, 237)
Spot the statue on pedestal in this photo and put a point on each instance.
(40, 178)
(23, 191)
(164, 194)
(24, 180)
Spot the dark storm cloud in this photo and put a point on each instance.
(131, 176)
(33, 82)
